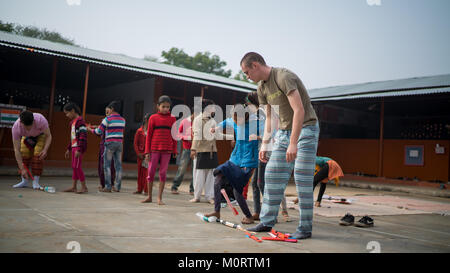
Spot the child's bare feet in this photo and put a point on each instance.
(83, 190)
(70, 190)
(247, 221)
(137, 192)
(160, 202)
(217, 214)
(114, 189)
(317, 204)
(255, 217)
(148, 200)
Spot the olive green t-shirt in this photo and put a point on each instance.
(274, 91)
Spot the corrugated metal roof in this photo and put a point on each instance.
(402, 87)
(121, 61)
(387, 94)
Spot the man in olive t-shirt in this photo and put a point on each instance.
(295, 144)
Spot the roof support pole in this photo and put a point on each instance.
(86, 82)
(380, 156)
(52, 91)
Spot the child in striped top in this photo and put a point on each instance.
(113, 126)
(77, 145)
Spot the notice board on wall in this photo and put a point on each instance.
(414, 155)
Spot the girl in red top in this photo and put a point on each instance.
(159, 145)
(139, 148)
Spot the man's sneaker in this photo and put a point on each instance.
(300, 235)
(22, 184)
(347, 220)
(366, 221)
(260, 228)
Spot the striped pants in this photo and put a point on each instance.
(278, 173)
(31, 156)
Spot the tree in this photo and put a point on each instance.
(35, 32)
(202, 61)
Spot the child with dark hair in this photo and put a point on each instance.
(159, 145)
(139, 148)
(204, 150)
(113, 127)
(244, 159)
(77, 145)
(185, 134)
(101, 160)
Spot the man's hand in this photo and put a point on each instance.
(43, 154)
(67, 154)
(174, 155)
(291, 152)
(263, 156)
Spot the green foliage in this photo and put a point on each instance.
(34, 32)
(202, 61)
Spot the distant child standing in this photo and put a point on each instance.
(77, 146)
(101, 159)
(139, 148)
(204, 150)
(159, 146)
(113, 127)
(185, 134)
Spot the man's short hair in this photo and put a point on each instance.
(251, 57)
(26, 117)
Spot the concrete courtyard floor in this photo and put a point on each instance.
(34, 221)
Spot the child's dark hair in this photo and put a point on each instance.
(114, 105)
(253, 98)
(72, 106)
(26, 117)
(146, 117)
(240, 110)
(164, 99)
(206, 103)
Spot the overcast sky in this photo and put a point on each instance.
(326, 42)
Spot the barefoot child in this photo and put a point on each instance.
(77, 145)
(139, 148)
(159, 145)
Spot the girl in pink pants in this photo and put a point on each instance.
(77, 146)
(159, 145)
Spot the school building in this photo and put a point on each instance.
(393, 129)
(43, 76)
